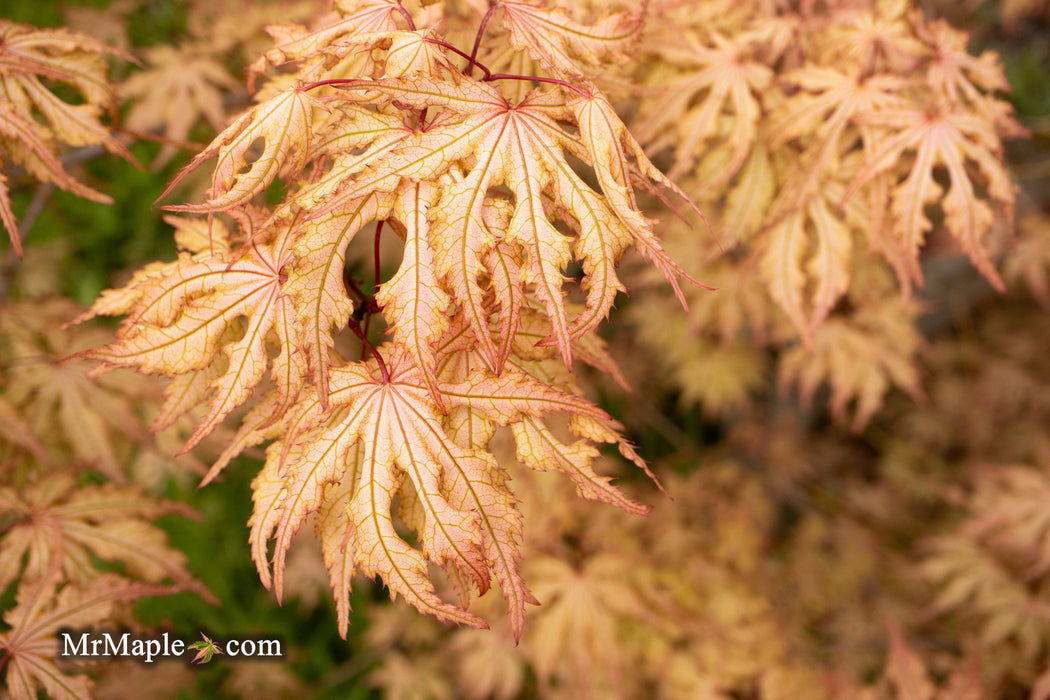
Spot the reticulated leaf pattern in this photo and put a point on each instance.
(498, 187)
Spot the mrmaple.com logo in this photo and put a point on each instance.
(104, 644)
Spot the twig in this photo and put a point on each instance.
(477, 41)
(32, 213)
(407, 16)
(375, 256)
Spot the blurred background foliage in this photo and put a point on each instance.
(796, 529)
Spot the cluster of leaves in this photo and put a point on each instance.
(747, 614)
(377, 122)
(78, 542)
(182, 85)
(76, 539)
(827, 146)
(916, 560)
(35, 122)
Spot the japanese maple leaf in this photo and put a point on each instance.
(907, 672)
(296, 43)
(403, 53)
(413, 301)
(96, 419)
(563, 46)
(60, 525)
(283, 123)
(827, 104)
(861, 357)
(315, 279)
(184, 318)
(350, 144)
(177, 88)
(821, 232)
(620, 165)
(714, 81)
(964, 78)
(877, 39)
(583, 609)
(33, 118)
(15, 430)
(522, 147)
(383, 427)
(966, 145)
(206, 649)
(27, 55)
(509, 141)
(31, 647)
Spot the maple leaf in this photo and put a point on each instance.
(525, 150)
(93, 416)
(31, 645)
(316, 278)
(296, 43)
(380, 431)
(879, 39)
(14, 430)
(489, 664)
(713, 80)
(907, 673)
(184, 317)
(965, 79)
(1008, 515)
(928, 137)
(175, 91)
(60, 525)
(826, 107)
(988, 568)
(413, 301)
(582, 611)
(860, 357)
(515, 140)
(282, 122)
(206, 649)
(384, 419)
(1030, 262)
(968, 576)
(817, 231)
(905, 669)
(32, 118)
(403, 53)
(562, 45)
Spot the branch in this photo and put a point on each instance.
(32, 213)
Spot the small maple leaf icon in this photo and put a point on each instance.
(205, 650)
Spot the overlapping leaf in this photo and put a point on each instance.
(34, 120)
(522, 147)
(56, 525)
(175, 91)
(563, 46)
(965, 145)
(712, 81)
(296, 43)
(183, 319)
(31, 645)
(382, 430)
(494, 201)
(283, 123)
